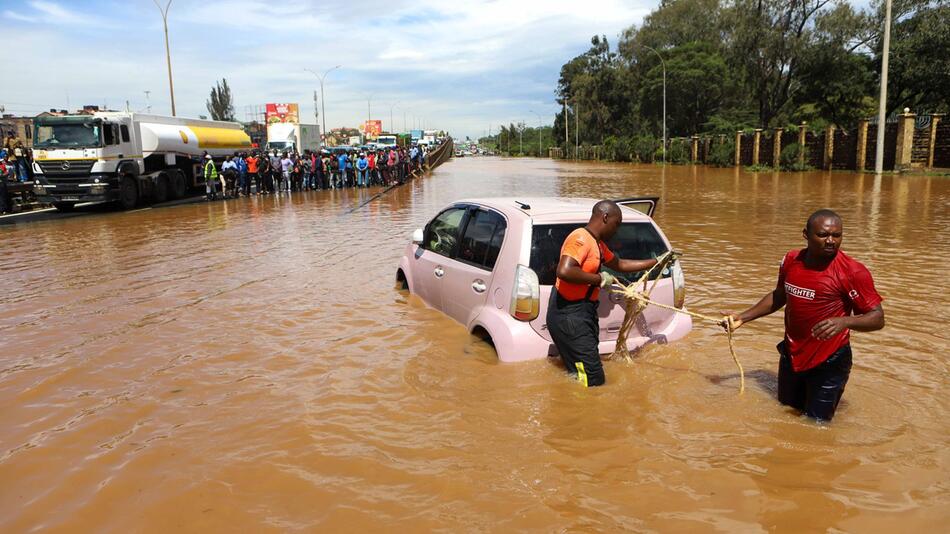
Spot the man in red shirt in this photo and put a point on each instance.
(572, 309)
(826, 294)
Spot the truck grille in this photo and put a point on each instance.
(66, 167)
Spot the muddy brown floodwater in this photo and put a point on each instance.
(249, 366)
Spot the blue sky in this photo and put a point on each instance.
(457, 65)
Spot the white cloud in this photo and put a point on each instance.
(457, 65)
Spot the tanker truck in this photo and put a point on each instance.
(125, 157)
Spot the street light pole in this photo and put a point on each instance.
(663, 63)
(323, 96)
(168, 55)
(882, 104)
(539, 131)
(391, 123)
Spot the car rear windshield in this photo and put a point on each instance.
(633, 241)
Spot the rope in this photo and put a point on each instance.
(638, 300)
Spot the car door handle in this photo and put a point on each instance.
(439, 272)
(479, 286)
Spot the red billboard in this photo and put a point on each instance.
(373, 128)
(283, 113)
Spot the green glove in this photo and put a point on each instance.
(607, 279)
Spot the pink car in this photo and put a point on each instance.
(490, 264)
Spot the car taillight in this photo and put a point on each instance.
(526, 295)
(679, 285)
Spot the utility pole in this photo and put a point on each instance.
(577, 143)
(323, 95)
(566, 135)
(882, 103)
(168, 55)
(521, 138)
(539, 131)
(391, 123)
(316, 115)
(663, 63)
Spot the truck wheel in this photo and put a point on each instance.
(177, 185)
(128, 193)
(161, 188)
(64, 207)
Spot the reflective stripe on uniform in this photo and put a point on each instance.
(581, 373)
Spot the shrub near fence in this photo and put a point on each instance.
(923, 143)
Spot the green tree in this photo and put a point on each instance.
(919, 63)
(221, 105)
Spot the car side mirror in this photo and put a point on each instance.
(417, 236)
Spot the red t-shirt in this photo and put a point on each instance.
(812, 295)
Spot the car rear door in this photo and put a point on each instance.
(439, 243)
(468, 276)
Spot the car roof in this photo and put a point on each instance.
(549, 209)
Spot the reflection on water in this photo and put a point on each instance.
(248, 365)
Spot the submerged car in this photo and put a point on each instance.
(490, 264)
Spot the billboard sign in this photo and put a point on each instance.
(283, 113)
(416, 134)
(373, 128)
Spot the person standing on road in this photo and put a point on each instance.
(361, 167)
(286, 165)
(211, 177)
(4, 196)
(251, 163)
(572, 310)
(16, 153)
(239, 160)
(342, 160)
(826, 294)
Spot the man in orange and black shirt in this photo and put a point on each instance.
(572, 309)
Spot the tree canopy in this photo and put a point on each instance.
(220, 104)
(733, 64)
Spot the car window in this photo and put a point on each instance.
(442, 234)
(633, 241)
(482, 240)
(125, 133)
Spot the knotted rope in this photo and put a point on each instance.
(638, 299)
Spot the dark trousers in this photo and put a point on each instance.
(4, 196)
(575, 330)
(817, 391)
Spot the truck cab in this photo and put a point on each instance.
(82, 158)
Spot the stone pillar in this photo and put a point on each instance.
(739, 148)
(756, 142)
(829, 158)
(934, 119)
(802, 129)
(905, 140)
(694, 149)
(862, 145)
(777, 148)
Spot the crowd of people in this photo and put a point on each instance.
(262, 173)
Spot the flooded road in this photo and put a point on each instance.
(249, 366)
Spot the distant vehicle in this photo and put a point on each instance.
(292, 137)
(386, 141)
(490, 264)
(129, 158)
